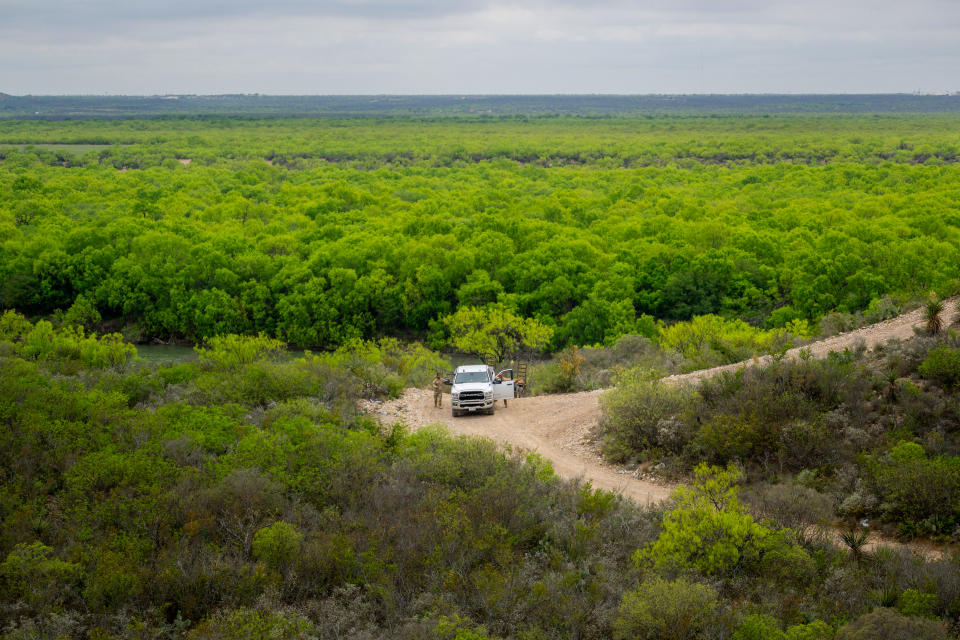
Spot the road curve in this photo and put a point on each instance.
(558, 426)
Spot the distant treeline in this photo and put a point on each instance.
(65, 107)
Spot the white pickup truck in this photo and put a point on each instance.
(477, 388)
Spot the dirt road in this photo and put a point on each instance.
(555, 426)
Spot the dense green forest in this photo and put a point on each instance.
(318, 232)
(244, 496)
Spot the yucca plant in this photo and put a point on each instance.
(933, 315)
(856, 541)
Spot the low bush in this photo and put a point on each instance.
(636, 417)
(666, 610)
(888, 624)
(278, 545)
(943, 365)
(915, 488)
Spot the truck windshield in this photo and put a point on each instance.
(471, 376)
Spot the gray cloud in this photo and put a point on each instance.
(478, 46)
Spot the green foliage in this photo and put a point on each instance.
(251, 623)
(888, 624)
(943, 365)
(816, 630)
(933, 315)
(642, 414)
(233, 351)
(668, 610)
(496, 331)
(597, 367)
(758, 628)
(710, 340)
(249, 501)
(13, 326)
(246, 496)
(457, 628)
(68, 345)
(916, 488)
(278, 545)
(917, 603)
(710, 531)
(317, 232)
(569, 364)
(31, 574)
(82, 313)
(764, 627)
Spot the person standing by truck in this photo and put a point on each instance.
(438, 391)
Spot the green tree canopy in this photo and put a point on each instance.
(495, 331)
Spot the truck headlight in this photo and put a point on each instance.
(455, 396)
(488, 394)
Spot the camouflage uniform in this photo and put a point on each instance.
(437, 392)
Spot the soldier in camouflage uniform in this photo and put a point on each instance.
(438, 391)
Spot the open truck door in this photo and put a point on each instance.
(504, 386)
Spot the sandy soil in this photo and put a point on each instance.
(558, 426)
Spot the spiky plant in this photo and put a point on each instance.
(933, 315)
(856, 540)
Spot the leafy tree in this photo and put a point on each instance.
(710, 531)
(495, 330)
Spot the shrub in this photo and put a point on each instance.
(917, 603)
(710, 340)
(569, 363)
(914, 487)
(278, 545)
(241, 502)
(888, 624)
(29, 572)
(816, 630)
(726, 438)
(791, 506)
(666, 610)
(13, 326)
(632, 415)
(601, 365)
(82, 313)
(233, 351)
(44, 343)
(710, 531)
(943, 365)
(758, 628)
(250, 623)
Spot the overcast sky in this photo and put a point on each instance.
(478, 46)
